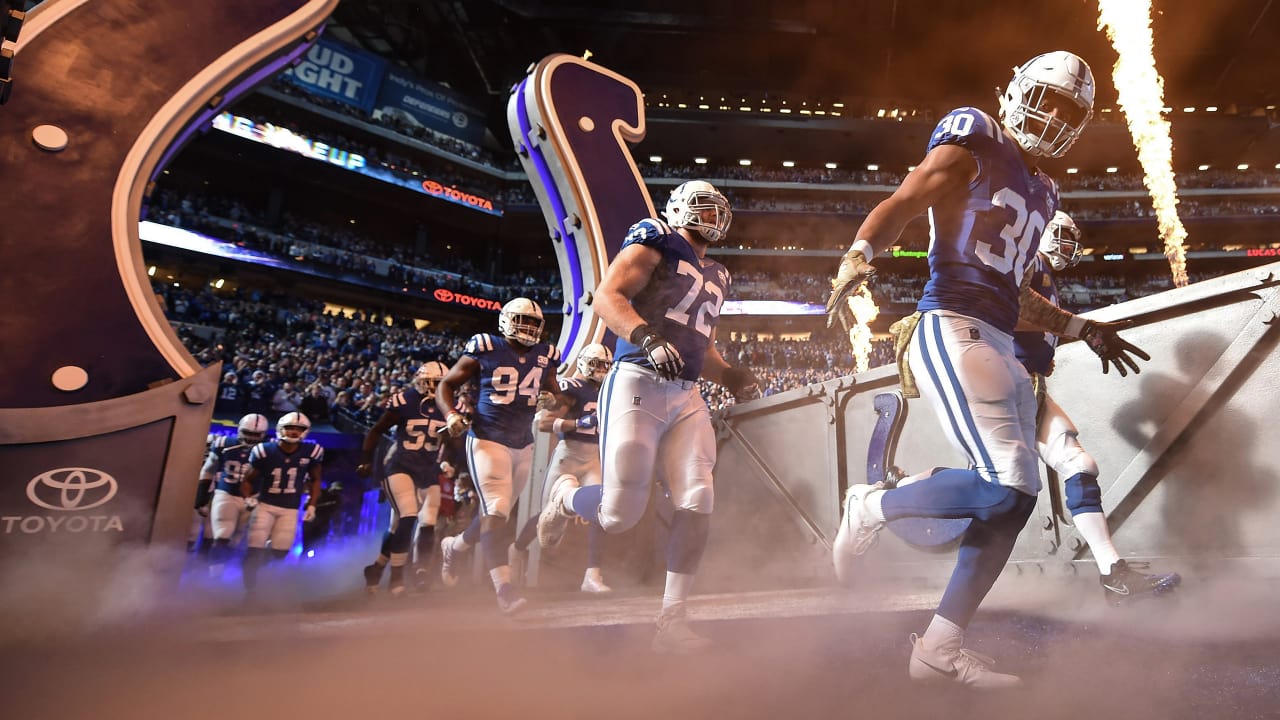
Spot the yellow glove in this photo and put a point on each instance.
(854, 270)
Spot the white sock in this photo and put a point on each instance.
(1093, 526)
(875, 504)
(942, 633)
(594, 575)
(677, 590)
(500, 576)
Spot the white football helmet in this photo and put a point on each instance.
(690, 200)
(292, 428)
(252, 429)
(1037, 87)
(594, 361)
(1061, 242)
(521, 321)
(428, 377)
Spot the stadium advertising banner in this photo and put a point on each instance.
(430, 105)
(283, 138)
(340, 72)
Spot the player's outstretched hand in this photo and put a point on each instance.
(1104, 340)
(456, 424)
(854, 270)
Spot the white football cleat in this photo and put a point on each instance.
(956, 665)
(859, 530)
(675, 637)
(593, 583)
(448, 556)
(554, 518)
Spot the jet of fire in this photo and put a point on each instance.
(864, 311)
(1141, 90)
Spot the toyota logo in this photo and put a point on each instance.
(443, 295)
(71, 489)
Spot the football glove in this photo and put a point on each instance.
(1104, 340)
(456, 424)
(664, 356)
(587, 421)
(446, 467)
(854, 270)
(742, 383)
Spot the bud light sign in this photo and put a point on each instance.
(341, 72)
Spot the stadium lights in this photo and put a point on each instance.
(765, 109)
(1072, 171)
(806, 112)
(1202, 168)
(880, 113)
(1188, 109)
(785, 111)
(217, 284)
(873, 167)
(1242, 166)
(744, 162)
(837, 105)
(682, 106)
(704, 106)
(911, 168)
(792, 163)
(655, 158)
(1211, 108)
(700, 161)
(151, 271)
(744, 108)
(1113, 169)
(831, 166)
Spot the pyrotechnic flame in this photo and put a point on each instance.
(864, 311)
(1141, 91)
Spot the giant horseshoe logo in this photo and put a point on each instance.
(572, 121)
(104, 94)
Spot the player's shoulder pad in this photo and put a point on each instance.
(968, 127)
(259, 451)
(479, 344)
(317, 450)
(650, 231)
(553, 353)
(567, 383)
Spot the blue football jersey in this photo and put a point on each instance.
(233, 463)
(585, 395)
(1035, 349)
(978, 256)
(284, 477)
(682, 298)
(416, 432)
(509, 385)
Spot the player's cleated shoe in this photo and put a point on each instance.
(421, 579)
(859, 531)
(947, 665)
(396, 582)
(509, 601)
(519, 561)
(593, 583)
(448, 558)
(372, 578)
(554, 518)
(675, 637)
(1126, 583)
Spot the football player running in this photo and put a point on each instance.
(1057, 439)
(227, 465)
(279, 472)
(411, 478)
(661, 296)
(577, 455)
(988, 205)
(513, 369)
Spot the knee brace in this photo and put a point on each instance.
(1083, 493)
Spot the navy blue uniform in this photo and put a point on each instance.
(233, 463)
(978, 258)
(415, 437)
(682, 298)
(284, 478)
(509, 385)
(585, 396)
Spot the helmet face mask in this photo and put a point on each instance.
(428, 377)
(1061, 242)
(594, 362)
(292, 428)
(699, 206)
(521, 321)
(252, 429)
(1058, 81)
